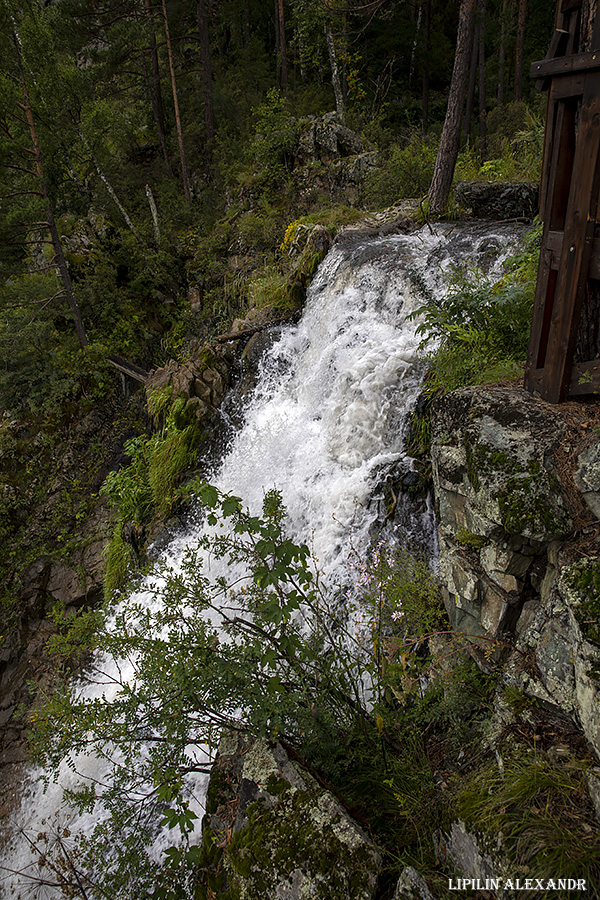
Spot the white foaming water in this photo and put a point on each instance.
(328, 414)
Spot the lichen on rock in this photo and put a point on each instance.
(271, 832)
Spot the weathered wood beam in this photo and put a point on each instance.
(566, 65)
(248, 332)
(585, 378)
(129, 368)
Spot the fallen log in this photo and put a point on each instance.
(248, 332)
(129, 368)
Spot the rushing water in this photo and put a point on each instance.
(327, 417)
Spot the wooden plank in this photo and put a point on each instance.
(566, 65)
(557, 47)
(540, 326)
(561, 167)
(569, 86)
(534, 380)
(554, 243)
(577, 246)
(551, 109)
(558, 159)
(585, 378)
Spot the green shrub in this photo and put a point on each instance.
(275, 136)
(404, 172)
(147, 487)
(481, 327)
(118, 563)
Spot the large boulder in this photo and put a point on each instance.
(499, 199)
(271, 832)
(325, 140)
(500, 498)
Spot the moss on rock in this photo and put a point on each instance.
(272, 831)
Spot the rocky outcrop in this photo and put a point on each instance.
(499, 199)
(332, 160)
(326, 140)
(517, 498)
(201, 380)
(271, 831)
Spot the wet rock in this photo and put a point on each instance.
(272, 831)
(499, 199)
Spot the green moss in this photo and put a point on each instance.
(522, 509)
(469, 539)
(293, 835)
(585, 579)
(287, 833)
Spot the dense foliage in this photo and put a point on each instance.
(152, 171)
(481, 326)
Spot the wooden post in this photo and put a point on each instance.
(570, 191)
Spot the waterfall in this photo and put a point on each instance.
(327, 417)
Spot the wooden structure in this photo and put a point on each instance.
(564, 348)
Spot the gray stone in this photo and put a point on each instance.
(283, 836)
(325, 139)
(464, 851)
(499, 199)
(593, 783)
(412, 886)
(501, 504)
(587, 477)
(201, 381)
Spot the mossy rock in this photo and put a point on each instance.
(272, 831)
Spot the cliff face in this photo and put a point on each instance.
(517, 488)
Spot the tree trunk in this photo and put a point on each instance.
(154, 214)
(413, 52)
(588, 17)
(482, 109)
(335, 75)
(184, 174)
(450, 140)
(247, 25)
(471, 86)
(426, 39)
(502, 53)
(277, 46)
(54, 235)
(154, 89)
(115, 199)
(282, 47)
(520, 49)
(209, 115)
